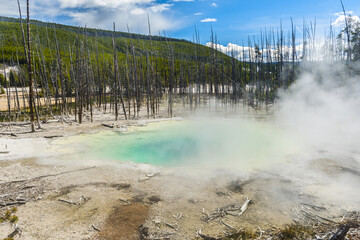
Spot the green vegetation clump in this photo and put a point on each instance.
(13, 78)
(2, 79)
(8, 216)
(2, 91)
(241, 235)
(296, 231)
(13, 219)
(41, 93)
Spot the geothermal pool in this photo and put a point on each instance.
(234, 147)
(221, 143)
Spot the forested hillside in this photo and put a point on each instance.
(97, 67)
(44, 35)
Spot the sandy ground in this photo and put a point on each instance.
(135, 201)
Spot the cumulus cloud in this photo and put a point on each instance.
(243, 52)
(213, 5)
(161, 7)
(340, 18)
(101, 13)
(137, 11)
(100, 3)
(231, 49)
(209, 20)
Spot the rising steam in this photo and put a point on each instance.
(322, 108)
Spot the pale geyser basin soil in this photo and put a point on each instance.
(81, 197)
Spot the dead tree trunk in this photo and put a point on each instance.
(31, 92)
(115, 78)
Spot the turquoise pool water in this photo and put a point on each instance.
(163, 147)
(221, 143)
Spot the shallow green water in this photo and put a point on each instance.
(162, 147)
(221, 143)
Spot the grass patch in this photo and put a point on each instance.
(241, 235)
(296, 231)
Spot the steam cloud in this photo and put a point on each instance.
(322, 108)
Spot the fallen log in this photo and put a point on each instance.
(244, 206)
(14, 233)
(227, 225)
(106, 125)
(317, 208)
(66, 201)
(315, 217)
(14, 203)
(170, 226)
(341, 233)
(153, 175)
(125, 201)
(10, 134)
(28, 187)
(15, 124)
(45, 176)
(51, 121)
(228, 210)
(55, 136)
(95, 228)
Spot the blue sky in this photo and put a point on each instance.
(232, 20)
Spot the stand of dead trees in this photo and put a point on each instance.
(72, 72)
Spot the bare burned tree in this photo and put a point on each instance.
(115, 78)
(147, 71)
(30, 71)
(347, 30)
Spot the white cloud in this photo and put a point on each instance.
(100, 3)
(209, 20)
(213, 5)
(100, 13)
(243, 52)
(137, 11)
(161, 7)
(239, 51)
(340, 20)
(231, 49)
(198, 14)
(183, 0)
